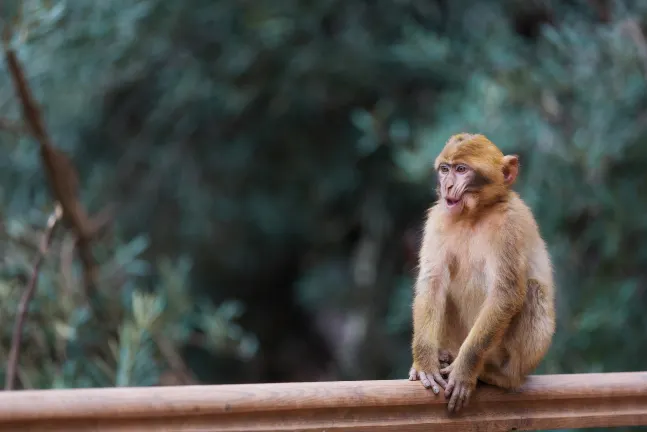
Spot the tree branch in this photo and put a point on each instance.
(61, 174)
(14, 353)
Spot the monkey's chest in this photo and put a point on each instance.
(468, 258)
(468, 287)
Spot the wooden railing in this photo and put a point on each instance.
(545, 402)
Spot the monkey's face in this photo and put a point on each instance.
(472, 172)
(459, 185)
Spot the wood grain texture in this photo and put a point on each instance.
(545, 402)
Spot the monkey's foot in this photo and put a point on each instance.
(430, 380)
(445, 358)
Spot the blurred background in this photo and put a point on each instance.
(270, 163)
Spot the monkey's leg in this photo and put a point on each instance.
(506, 363)
(522, 348)
(506, 377)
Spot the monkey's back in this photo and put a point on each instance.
(531, 331)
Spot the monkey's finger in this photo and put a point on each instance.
(447, 370)
(456, 395)
(428, 382)
(453, 401)
(434, 386)
(425, 381)
(413, 374)
(450, 388)
(439, 379)
(461, 399)
(468, 396)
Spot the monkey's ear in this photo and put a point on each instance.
(510, 169)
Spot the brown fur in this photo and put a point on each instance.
(484, 295)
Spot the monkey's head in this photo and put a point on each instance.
(473, 172)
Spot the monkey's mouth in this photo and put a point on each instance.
(451, 202)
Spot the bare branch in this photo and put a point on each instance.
(61, 174)
(14, 353)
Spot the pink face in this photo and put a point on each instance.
(457, 182)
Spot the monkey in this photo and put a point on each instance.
(483, 306)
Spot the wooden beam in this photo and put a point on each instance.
(545, 402)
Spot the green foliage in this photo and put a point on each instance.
(64, 347)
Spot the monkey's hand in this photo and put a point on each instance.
(460, 385)
(429, 375)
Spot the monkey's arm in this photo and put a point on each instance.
(506, 294)
(429, 302)
(428, 313)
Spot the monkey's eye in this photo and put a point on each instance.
(461, 169)
(444, 169)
